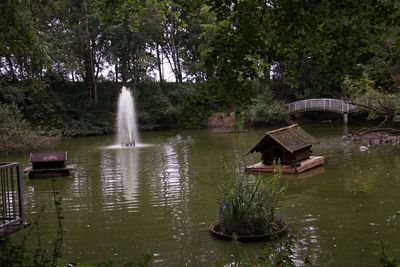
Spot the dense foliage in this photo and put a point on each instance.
(66, 106)
(62, 62)
(266, 110)
(17, 135)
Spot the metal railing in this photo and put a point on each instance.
(321, 104)
(11, 197)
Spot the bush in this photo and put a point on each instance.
(155, 109)
(195, 107)
(265, 110)
(36, 101)
(172, 106)
(17, 135)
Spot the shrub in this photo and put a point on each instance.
(17, 135)
(195, 107)
(36, 101)
(154, 108)
(172, 106)
(265, 110)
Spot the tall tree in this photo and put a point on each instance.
(72, 33)
(314, 44)
(89, 59)
(182, 36)
(122, 20)
(22, 54)
(235, 53)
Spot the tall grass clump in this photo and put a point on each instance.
(249, 207)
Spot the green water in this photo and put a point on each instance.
(159, 198)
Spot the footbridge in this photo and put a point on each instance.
(323, 104)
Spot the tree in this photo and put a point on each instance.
(235, 53)
(124, 23)
(313, 45)
(89, 55)
(22, 54)
(75, 36)
(377, 102)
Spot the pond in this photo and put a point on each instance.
(159, 198)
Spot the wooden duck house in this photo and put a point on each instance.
(291, 146)
(50, 164)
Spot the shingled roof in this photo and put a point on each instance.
(292, 138)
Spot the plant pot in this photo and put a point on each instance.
(215, 230)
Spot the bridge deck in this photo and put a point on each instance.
(321, 104)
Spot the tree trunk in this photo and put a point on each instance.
(175, 56)
(159, 64)
(124, 68)
(125, 53)
(171, 51)
(89, 61)
(116, 72)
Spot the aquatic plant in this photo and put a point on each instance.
(248, 207)
(389, 257)
(18, 254)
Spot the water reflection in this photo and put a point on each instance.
(308, 246)
(170, 185)
(119, 178)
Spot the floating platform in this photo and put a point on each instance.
(311, 162)
(48, 164)
(46, 173)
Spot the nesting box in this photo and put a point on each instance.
(53, 160)
(291, 146)
(48, 164)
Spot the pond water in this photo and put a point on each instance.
(159, 198)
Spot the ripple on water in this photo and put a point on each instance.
(127, 147)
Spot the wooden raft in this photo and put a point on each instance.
(311, 162)
(48, 164)
(46, 173)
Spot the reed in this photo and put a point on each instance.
(248, 207)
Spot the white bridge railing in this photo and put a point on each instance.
(321, 104)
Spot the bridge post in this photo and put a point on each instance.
(345, 118)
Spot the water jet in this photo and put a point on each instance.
(127, 133)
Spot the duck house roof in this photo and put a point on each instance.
(48, 157)
(292, 138)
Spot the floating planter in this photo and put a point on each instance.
(247, 209)
(291, 146)
(50, 164)
(216, 230)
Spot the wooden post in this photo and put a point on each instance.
(345, 118)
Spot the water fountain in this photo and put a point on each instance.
(127, 133)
